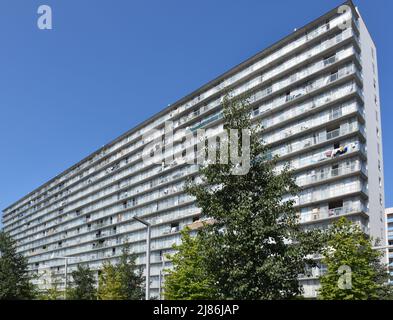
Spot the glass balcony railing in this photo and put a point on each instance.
(330, 191)
(318, 101)
(322, 155)
(319, 214)
(329, 173)
(315, 140)
(312, 121)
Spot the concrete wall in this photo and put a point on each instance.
(374, 134)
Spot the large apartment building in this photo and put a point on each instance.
(315, 92)
(389, 235)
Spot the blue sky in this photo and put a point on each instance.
(107, 65)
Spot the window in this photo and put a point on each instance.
(333, 76)
(269, 90)
(289, 97)
(334, 170)
(174, 226)
(335, 113)
(329, 60)
(332, 132)
(335, 207)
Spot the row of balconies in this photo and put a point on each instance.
(316, 195)
(344, 150)
(313, 121)
(331, 172)
(123, 226)
(319, 214)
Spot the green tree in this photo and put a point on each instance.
(131, 277)
(83, 285)
(188, 279)
(122, 281)
(109, 283)
(15, 281)
(354, 269)
(255, 248)
(53, 293)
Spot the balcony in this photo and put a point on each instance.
(331, 191)
(302, 145)
(329, 173)
(321, 156)
(312, 122)
(317, 102)
(322, 214)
